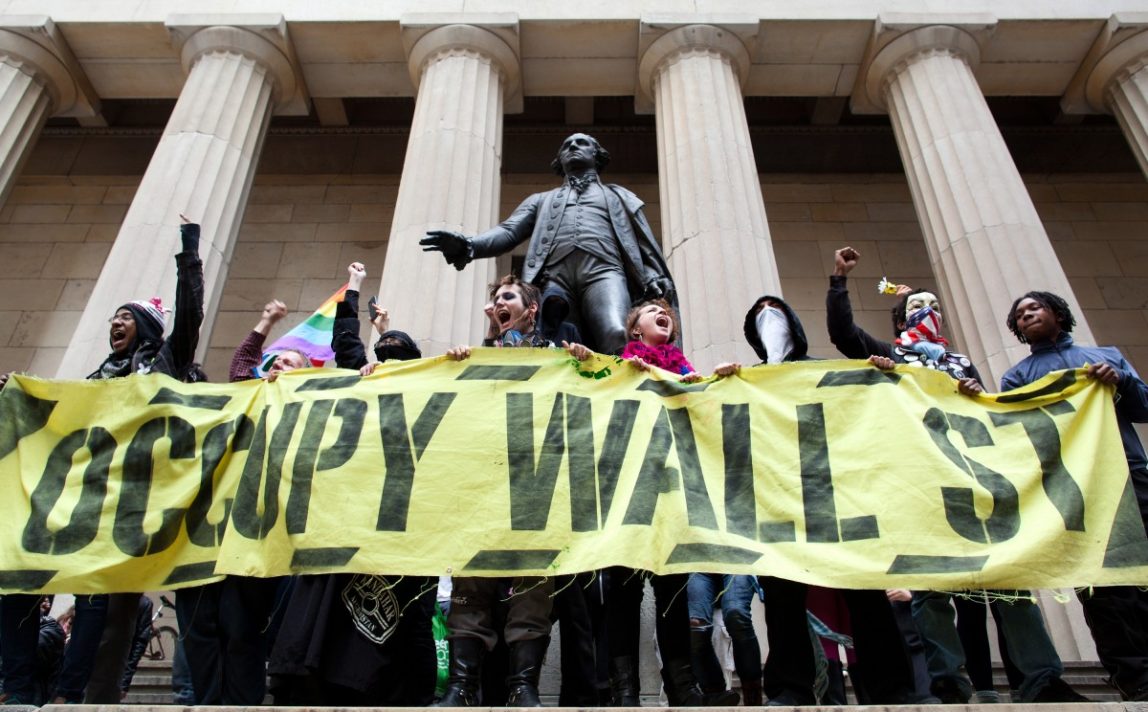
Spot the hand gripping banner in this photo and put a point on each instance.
(524, 461)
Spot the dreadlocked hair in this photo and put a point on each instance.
(1048, 300)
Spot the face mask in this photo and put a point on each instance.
(397, 352)
(773, 328)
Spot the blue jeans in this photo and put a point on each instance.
(87, 629)
(1028, 643)
(734, 594)
(182, 691)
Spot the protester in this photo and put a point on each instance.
(356, 639)
(918, 322)
(734, 594)
(224, 623)
(249, 354)
(653, 329)
(143, 634)
(138, 347)
(1117, 616)
(776, 335)
(512, 317)
(348, 347)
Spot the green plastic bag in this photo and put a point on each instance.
(442, 650)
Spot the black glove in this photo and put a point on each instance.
(189, 236)
(455, 248)
(658, 288)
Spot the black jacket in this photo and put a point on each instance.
(175, 355)
(853, 342)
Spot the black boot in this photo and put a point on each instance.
(465, 673)
(682, 687)
(624, 682)
(525, 666)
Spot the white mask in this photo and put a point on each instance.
(773, 329)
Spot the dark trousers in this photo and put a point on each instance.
(671, 605)
(223, 626)
(87, 629)
(473, 602)
(19, 636)
(882, 659)
(975, 640)
(104, 685)
(579, 672)
(1117, 617)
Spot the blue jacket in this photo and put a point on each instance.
(1131, 393)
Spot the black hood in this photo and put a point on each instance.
(800, 343)
(405, 350)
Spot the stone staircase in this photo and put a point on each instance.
(152, 687)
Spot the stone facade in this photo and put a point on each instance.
(300, 232)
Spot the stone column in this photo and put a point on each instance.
(39, 77)
(450, 179)
(1114, 79)
(202, 167)
(986, 243)
(714, 229)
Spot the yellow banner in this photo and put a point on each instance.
(524, 461)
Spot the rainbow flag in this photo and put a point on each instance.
(312, 337)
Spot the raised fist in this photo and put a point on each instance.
(844, 260)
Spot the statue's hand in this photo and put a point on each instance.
(658, 288)
(455, 248)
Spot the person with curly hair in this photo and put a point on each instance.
(1117, 616)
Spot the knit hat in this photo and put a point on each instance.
(150, 317)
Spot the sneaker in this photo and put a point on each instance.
(986, 697)
(1057, 690)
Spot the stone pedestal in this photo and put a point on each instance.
(986, 244)
(39, 77)
(202, 167)
(714, 229)
(450, 181)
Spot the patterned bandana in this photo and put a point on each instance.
(923, 326)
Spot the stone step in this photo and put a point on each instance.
(152, 685)
(151, 706)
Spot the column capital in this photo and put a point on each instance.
(36, 42)
(492, 35)
(260, 37)
(1120, 49)
(663, 37)
(898, 38)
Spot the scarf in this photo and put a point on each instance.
(665, 356)
(923, 334)
(773, 328)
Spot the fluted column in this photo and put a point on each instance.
(714, 228)
(1114, 79)
(202, 167)
(985, 241)
(38, 78)
(450, 181)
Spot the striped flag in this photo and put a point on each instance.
(312, 337)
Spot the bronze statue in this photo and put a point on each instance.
(591, 249)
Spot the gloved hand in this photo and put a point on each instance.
(455, 248)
